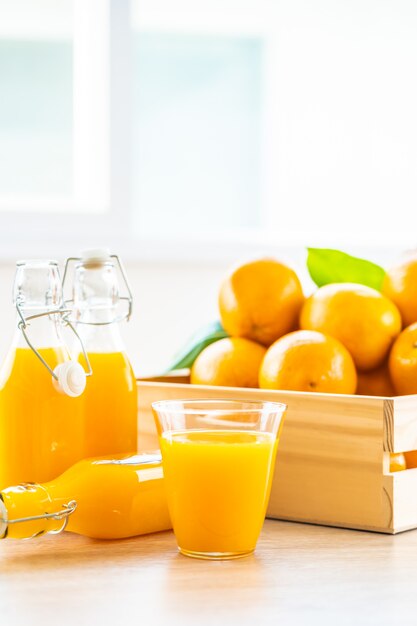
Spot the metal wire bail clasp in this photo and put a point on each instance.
(63, 514)
(68, 377)
(102, 257)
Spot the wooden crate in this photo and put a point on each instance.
(333, 458)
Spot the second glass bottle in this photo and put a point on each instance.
(110, 398)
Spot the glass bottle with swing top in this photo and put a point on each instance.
(41, 406)
(98, 307)
(107, 498)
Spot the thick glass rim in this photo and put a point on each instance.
(240, 406)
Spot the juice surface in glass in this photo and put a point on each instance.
(41, 430)
(110, 405)
(218, 484)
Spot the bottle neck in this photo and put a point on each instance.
(97, 304)
(43, 332)
(29, 510)
(93, 312)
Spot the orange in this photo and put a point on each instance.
(397, 462)
(364, 320)
(403, 361)
(400, 285)
(375, 382)
(260, 300)
(411, 459)
(306, 360)
(230, 362)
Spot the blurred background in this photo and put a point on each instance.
(186, 135)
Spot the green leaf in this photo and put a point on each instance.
(333, 266)
(201, 339)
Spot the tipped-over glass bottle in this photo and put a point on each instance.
(101, 498)
(41, 419)
(110, 399)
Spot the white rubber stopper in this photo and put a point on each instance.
(71, 378)
(95, 255)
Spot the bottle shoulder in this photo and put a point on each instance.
(101, 339)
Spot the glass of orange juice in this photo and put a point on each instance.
(218, 460)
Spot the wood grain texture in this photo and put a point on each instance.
(300, 575)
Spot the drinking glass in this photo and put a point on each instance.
(218, 459)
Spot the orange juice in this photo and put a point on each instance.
(397, 462)
(110, 405)
(217, 484)
(41, 430)
(116, 498)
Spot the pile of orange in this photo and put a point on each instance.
(344, 338)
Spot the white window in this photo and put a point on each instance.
(54, 123)
(188, 127)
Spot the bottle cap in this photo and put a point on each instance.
(95, 255)
(71, 378)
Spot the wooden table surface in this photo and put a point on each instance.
(299, 575)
